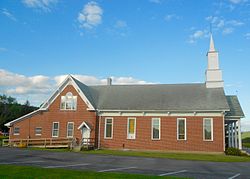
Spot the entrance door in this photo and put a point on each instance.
(85, 135)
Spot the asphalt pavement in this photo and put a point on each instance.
(139, 165)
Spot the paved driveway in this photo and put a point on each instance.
(140, 165)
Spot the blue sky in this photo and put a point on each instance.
(133, 41)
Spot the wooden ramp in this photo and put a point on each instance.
(41, 143)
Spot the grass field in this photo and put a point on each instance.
(245, 135)
(178, 156)
(245, 139)
(11, 171)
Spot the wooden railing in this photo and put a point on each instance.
(43, 142)
(88, 143)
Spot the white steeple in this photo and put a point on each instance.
(213, 72)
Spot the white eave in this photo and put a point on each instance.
(22, 117)
(46, 104)
(62, 86)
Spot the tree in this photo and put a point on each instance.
(10, 110)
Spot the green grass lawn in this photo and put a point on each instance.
(245, 139)
(11, 171)
(245, 135)
(178, 156)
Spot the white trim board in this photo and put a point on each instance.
(68, 81)
(184, 114)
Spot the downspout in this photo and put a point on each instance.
(224, 139)
(99, 132)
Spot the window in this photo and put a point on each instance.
(156, 123)
(55, 129)
(68, 102)
(181, 128)
(208, 129)
(16, 131)
(70, 129)
(108, 132)
(38, 131)
(131, 128)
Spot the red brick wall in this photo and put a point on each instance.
(143, 139)
(54, 114)
(168, 139)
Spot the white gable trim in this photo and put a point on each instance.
(9, 124)
(84, 124)
(68, 81)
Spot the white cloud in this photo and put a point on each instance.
(245, 124)
(8, 14)
(227, 31)
(44, 5)
(120, 24)
(90, 16)
(222, 25)
(37, 88)
(235, 23)
(247, 35)
(170, 17)
(237, 1)
(155, 1)
(198, 34)
(2, 49)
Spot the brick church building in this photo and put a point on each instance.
(166, 117)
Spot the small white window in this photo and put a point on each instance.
(108, 132)
(55, 129)
(70, 129)
(156, 128)
(16, 131)
(131, 128)
(68, 102)
(208, 129)
(38, 131)
(181, 129)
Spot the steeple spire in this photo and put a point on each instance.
(211, 47)
(213, 72)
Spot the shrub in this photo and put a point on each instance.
(233, 151)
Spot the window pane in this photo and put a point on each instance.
(70, 133)
(156, 128)
(70, 125)
(181, 129)
(16, 130)
(109, 121)
(55, 133)
(208, 129)
(156, 133)
(131, 126)
(56, 125)
(38, 130)
(108, 130)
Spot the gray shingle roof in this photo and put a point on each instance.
(169, 97)
(235, 108)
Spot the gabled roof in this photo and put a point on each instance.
(235, 108)
(173, 97)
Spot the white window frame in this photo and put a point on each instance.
(185, 127)
(105, 126)
(212, 129)
(57, 129)
(65, 109)
(72, 129)
(129, 136)
(37, 133)
(18, 131)
(152, 130)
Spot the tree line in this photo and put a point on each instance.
(10, 109)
